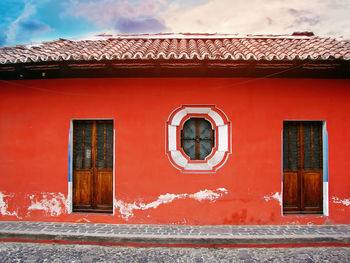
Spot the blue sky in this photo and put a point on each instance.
(25, 21)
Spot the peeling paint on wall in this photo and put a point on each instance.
(277, 196)
(337, 200)
(52, 203)
(126, 209)
(4, 206)
(208, 194)
(84, 220)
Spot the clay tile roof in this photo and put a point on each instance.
(181, 46)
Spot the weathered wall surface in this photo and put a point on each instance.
(35, 120)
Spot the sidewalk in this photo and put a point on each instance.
(176, 235)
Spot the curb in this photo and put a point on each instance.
(188, 241)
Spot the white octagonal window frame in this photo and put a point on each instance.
(222, 146)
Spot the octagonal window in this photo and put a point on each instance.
(197, 138)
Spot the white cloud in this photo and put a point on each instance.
(323, 17)
(26, 26)
(107, 12)
(137, 16)
(12, 31)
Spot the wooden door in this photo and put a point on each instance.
(93, 166)
(302, 167)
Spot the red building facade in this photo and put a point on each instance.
(98, 141)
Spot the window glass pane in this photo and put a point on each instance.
(294, 164)
(286, 149)
(307, 146)
(94, 152)
(189, 147)
(100, 145)
(78, 145)
(290, 146)
(205, 149)
(109, 150)
(190, 129)
(87, 145)
(204, 129)
(316, 127)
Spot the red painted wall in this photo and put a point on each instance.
(35, 120)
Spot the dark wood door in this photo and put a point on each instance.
(302, 167)
(93, 166)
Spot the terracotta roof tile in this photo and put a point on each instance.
(186, 46)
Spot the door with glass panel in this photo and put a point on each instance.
(302, 167)
(93, 166)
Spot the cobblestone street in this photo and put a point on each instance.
(30, 252)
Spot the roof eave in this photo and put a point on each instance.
(334, 68)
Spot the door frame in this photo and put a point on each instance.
(325, 191)
(70, 164)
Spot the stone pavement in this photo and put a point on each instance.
(31, 252)
(158, 235)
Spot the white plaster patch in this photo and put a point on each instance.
(222, 190)
(126, 209)
(337, 200)
(206, 195)
(4, 206)
(52, 203)
(83, 220)
(277, 196)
